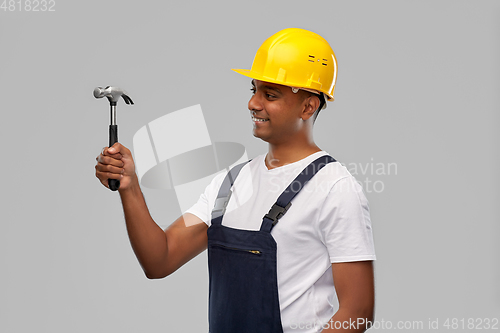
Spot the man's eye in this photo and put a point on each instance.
(270, 96)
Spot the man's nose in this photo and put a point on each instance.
(254, 103)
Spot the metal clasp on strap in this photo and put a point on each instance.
(276, 212)
(221, 203)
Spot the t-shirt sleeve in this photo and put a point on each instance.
(203, 207)
(344, 223)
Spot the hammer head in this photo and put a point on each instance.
(113, 94)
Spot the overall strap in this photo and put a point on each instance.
(225, 193)
(285, 199)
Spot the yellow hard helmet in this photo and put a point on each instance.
(297, 58)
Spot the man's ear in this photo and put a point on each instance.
(311, 105)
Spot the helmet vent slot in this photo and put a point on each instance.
(311, 58)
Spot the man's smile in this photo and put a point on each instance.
(259, 120)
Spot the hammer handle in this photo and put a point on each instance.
(114, 184)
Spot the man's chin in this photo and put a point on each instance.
(259, 136)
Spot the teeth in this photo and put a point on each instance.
(257, 119)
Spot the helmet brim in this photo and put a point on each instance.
(256, 76)
(253, 75)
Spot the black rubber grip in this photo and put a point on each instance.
(114, 184)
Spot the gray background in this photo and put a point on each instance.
(417, 86)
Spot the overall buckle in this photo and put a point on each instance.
(221, 203)
(276, 212)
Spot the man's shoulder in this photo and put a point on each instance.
(334, 172)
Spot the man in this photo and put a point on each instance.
(288, 232)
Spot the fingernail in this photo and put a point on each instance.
(111, 150)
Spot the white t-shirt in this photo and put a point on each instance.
(328, 222)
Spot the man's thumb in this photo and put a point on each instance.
(114, 148)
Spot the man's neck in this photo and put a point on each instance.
(280, 155)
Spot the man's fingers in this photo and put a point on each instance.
(109, 168)
(118, 148)
(105, 152)
(104, 174)
(111, 160)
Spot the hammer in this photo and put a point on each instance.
(113, 94)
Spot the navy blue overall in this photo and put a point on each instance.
(243, 285)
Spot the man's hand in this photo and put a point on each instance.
(116, 162)
(159, 252)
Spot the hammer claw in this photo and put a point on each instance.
(127, 99)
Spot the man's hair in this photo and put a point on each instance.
(322, 105)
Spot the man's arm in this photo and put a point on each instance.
(354, 283)
(159, 252)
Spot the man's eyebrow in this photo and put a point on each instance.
(272, 88)
(267, 87)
